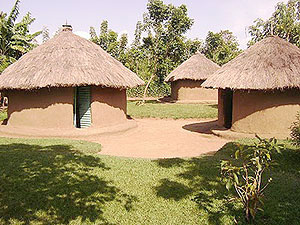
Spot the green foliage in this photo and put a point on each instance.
(221, 47)
(45, 34)
(245, 173)
(109, 41)
(15, 39)
(295, 131)
(284, 22)
(3, 115)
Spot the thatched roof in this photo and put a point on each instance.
(272, 63)
(67, 60)
(198, 67)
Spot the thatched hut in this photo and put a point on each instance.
(259, 89)
(67, 82)
(186, 79)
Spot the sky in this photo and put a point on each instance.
(122, 16)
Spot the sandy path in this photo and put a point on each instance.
(156, 138)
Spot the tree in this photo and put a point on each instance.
(165, 26)
(221, 47)
(108, 40)
(15, 38)
(284, 22)
(45, 34)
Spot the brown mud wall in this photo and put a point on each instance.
(192, 90)
(108, 106)
(43, 108)
(271, 112)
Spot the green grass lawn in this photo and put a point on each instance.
(3, 115)
(154, 109)
(65, 182)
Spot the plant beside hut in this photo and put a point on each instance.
(295, 131)
(245, 173)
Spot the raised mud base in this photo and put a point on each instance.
(229, 134)
(12, 131)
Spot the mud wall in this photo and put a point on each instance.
(271, 112)
(43, 108)
(192, 90)
(108, 106)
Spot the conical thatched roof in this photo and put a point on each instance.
(67, 60)
(198, 67)
(272, 63)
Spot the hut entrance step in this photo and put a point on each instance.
(82, 107)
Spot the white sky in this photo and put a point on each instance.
(209, 15)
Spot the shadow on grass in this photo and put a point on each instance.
(201, 182)
(214, 106)
(53, 185)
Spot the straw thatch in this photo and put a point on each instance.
(272, 63)
(67, 60)
(198, 67)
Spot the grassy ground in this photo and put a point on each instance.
(65, 182)
(3, 115)
(154, 109)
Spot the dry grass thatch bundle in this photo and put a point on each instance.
(198, 67)
(272, 63)
(67, 60)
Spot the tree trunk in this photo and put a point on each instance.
(146, 88)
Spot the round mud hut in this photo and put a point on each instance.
(186, 80)
(67, 82)
(259, 89)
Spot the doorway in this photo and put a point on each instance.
(82, 107)
(227, 107)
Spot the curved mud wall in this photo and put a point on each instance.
(108, 106)
(192, 90)
(260, 112)
(43, 108)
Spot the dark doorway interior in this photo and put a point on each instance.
(227, 107)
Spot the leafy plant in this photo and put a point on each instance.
(15, 39)
(284, 22)
(245, 173)
(295, 131)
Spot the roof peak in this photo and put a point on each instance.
(67, 27)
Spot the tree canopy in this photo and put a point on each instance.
(221, 47)
(284, 22)
(15, 37)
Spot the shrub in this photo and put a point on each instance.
(295, 131)
(245, 173)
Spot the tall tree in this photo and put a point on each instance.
(15, 38)
(221, 47)
(108, 40)
(284, 22)
(165, 26)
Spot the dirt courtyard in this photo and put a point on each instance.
(162, 138)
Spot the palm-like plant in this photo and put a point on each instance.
(15, 39)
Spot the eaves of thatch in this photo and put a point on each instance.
(67, 60)
(198, 67)
(270, 64)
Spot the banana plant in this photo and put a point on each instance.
(15, 37)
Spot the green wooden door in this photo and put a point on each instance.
(83, 107)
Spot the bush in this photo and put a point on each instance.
(245, 173)
(295, 131)
(155, 89)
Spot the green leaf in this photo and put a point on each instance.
(228, 185)
(236, 179)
